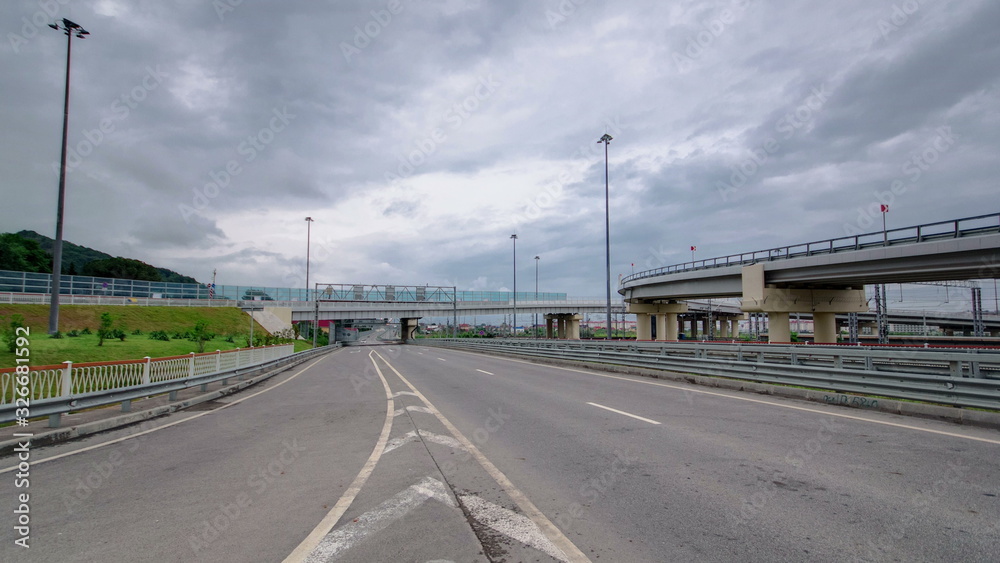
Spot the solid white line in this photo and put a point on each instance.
(330, 520)
(443, 360)
(550, 530)
(510, 524)
(759, 401)
(192, 417)
(338, 541)
(623, 412)
(482, 371)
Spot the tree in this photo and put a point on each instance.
(200, 334)
(23, 255)
(122, 268)
(8, 330)
(105, 330)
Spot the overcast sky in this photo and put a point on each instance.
(421, 134)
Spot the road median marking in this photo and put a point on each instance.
(313, 540)
(484, 371)
(548, 529)
(637, 417)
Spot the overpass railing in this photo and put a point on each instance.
(959, 377)
(957, 228)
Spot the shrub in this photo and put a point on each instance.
(137, 332)
(159, 335)
(119, 334)
(86, 331)
(9, 331)
(57, 335)
(105, 330)
(73, 333)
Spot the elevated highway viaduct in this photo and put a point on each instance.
(823, 278)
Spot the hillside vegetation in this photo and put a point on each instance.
(230, 325)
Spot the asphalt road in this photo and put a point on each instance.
(408, 453)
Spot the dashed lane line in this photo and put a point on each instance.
(637, 417)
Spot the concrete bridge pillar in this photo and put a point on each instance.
(735, 328)
(643, 328)
(825, 328)
(667, 323)
(723, 328)
(561, 327)
(666, 326)
(779, 329)
(407, 328)
(778, 302)
(573, 327)
(548, 326)
(694, 329)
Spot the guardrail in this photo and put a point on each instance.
(55, 390)
(957, 228)
(963, 378)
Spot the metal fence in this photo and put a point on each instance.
(959, 377)
(68, 379)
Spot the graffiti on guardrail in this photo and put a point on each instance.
(851, 400)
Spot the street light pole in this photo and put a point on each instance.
(513, 322)
(70, 29)
(607, 228)
(309, 222)
(534, 328)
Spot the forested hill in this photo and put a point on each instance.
(31, 252)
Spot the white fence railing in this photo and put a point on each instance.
(68, 379)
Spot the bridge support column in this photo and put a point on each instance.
(723, 328)
(666, 326)
(778, 302)
(406, 329)
(825, 328)
(694, 329)
(667, 323)
(561, 328)
(573, 327)
(779, 329)
(643, 328)
(704, 328)
(548, 326)
(735, 329)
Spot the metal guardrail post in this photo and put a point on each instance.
(218, 360)
(65, 390)
(145, 371)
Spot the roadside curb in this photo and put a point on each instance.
(58, 435)
(944, 413)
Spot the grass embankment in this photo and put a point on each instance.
(223, 321)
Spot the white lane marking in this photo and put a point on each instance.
(397, 442)
(398, 393)
(411, 436)
(443, 360)
(511, 524)
(759, 401)
(151, 430)
(623, 412)
(411, 408)
(483, 371)
(344, 538)
(550, 530)
(330, 520)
